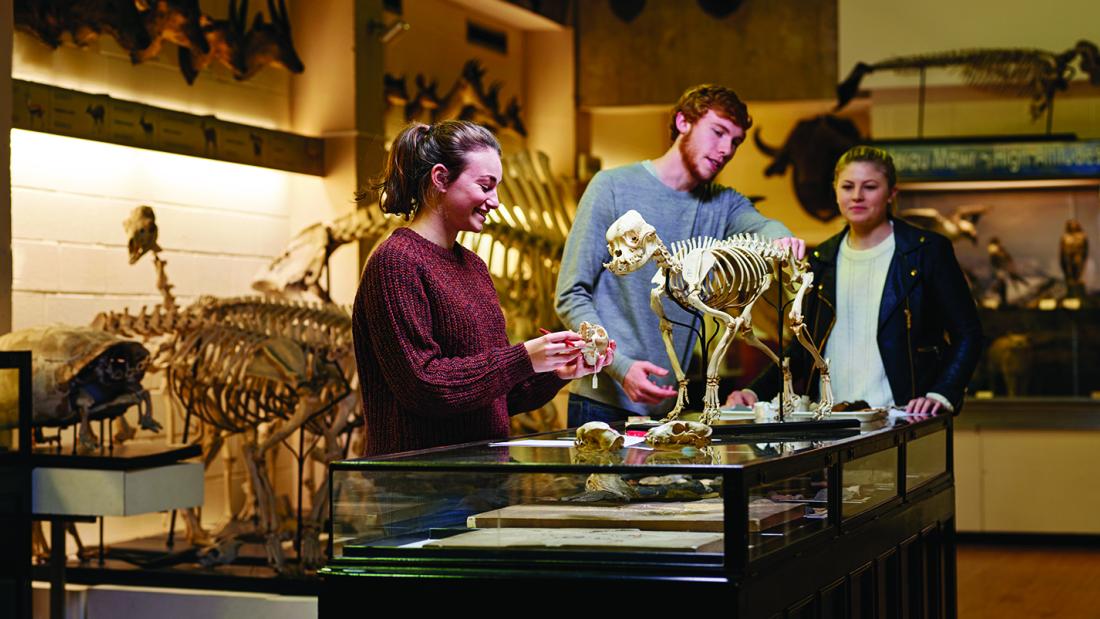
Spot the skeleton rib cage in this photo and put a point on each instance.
(237, 401)
(212, 345)
(740, 264)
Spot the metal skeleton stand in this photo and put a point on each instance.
(779, 335)
(300, 458)
(171, 541)
(920, 105)
(59, 525)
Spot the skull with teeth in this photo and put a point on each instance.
(596, 343)
(630, 241)
(598, 436)
(678, 433)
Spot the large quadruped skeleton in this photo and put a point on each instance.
(260, 368)
(716, 277)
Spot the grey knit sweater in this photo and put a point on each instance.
(587, 291)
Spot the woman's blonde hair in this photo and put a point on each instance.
(869, 154)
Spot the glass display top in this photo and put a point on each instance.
(556, 449)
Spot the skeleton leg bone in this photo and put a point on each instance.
(194, 532)
(799, 327)
(666, 335)
(265, 506)
(826, 406)
(733, 326)
(312, 553)
(265, 499)
(124, 432)
(790, 400)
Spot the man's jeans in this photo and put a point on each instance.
(582, 410)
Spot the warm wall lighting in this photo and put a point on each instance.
(64, 164)
(109, 71)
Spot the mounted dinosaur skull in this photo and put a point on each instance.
(630, 241)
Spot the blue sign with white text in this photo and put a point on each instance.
(996, 161)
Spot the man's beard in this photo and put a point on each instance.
(690, 158)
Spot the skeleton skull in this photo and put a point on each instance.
(598, 436)
(679, 432)
(595, 341)
(631, 242)
(595, 345)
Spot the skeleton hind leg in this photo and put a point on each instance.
(666, 335)
(826, 405)
(733, 325)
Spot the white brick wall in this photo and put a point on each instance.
(219, 222)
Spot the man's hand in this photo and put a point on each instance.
(797, 245)
(741, 398)
(640, 389)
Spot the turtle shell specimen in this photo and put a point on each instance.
(58, 355)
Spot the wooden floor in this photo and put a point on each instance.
(1028, 581)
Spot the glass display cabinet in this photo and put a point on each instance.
(1023, 245)
(824, 524)
(1021, 212)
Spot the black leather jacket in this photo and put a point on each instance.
(929, 334)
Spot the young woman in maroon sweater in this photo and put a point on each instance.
(435, 365)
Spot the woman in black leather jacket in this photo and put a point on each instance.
(923, 323)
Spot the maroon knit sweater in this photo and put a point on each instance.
(435, 366)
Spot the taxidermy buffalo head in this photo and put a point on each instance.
(812, 148)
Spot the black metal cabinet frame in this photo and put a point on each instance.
(863, 565)
(15, 498)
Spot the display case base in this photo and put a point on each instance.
(900, 564)
(112, 601)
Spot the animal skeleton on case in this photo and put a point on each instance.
(715, 277)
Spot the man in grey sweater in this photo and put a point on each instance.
(674, 193)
